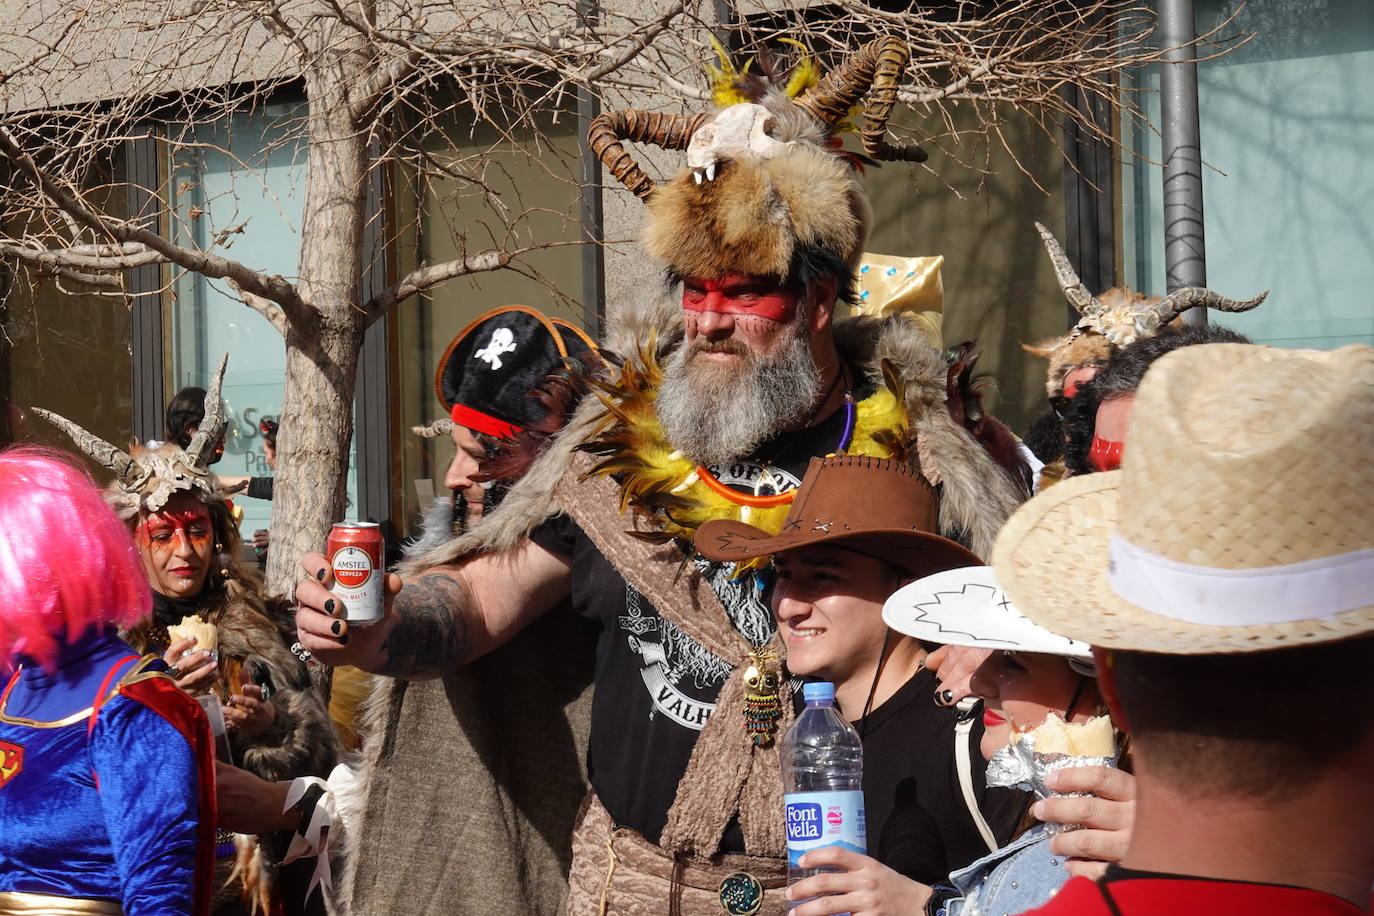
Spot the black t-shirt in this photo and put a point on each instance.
(655, 686)
(918, 824)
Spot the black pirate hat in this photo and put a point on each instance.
(486, 374)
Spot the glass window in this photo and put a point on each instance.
(66, 352)
(234, 180)
(1287, 126)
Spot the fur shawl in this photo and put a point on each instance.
(976, 495)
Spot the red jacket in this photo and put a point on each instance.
(1124, 893)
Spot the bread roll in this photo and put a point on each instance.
(205, 634)
(1093, 738)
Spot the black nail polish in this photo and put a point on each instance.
(319, 574)
(337, 627)
(343, 640)
(947, 696)
(329, 605)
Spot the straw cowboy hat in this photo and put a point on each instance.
(878, 507)
(1242, 518)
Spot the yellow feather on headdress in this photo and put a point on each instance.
(725, 78)
(805, 74)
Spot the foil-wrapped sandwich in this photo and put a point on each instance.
(1054, 745)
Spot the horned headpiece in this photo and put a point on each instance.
(1116, 318)
(1123, 316)
(765, 188)
(147, 478)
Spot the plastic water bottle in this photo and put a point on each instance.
(822, 776)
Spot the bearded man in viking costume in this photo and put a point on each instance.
(715, 413)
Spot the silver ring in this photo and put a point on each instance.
(174, 673)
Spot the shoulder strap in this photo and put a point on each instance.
(963, 765)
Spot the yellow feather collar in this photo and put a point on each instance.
(661, 483)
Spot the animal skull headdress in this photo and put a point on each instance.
(1117, 318)
(146, 479)
(765, 187)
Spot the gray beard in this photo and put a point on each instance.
(715, 414)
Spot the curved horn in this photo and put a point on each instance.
(212, 424)
(1180, 300)
(875, 68)
(127, 471)
(670, 131)
(436, 430)
(1074, 290)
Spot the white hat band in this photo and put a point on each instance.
(1310, 590)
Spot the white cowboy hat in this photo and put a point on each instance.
(964, 607)
(1242, 518)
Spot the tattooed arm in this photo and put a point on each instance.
(442, 618)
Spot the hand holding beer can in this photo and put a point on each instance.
(354, 551)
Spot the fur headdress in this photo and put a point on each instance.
(1117, 318)
(766, 190)
(146, 478)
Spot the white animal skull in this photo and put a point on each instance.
(738, 130)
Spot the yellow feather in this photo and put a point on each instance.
(660, 480)
(724, 92)
(805, 74)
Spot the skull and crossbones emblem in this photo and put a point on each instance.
(502, 341)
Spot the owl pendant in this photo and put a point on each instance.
(762, 706)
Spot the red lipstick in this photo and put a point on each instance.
(992, 719)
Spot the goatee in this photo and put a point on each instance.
(716, 412)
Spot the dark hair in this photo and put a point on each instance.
(1247, 725)
(186, 409)
(268, 427)
(1127, 366)
(1122, 375)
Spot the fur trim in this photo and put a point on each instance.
(977, 496)
(757, 215)
(1072, 351)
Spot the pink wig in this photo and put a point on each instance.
(67, 563)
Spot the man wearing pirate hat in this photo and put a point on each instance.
(1232, 622)
(714, 413)
(495, 733)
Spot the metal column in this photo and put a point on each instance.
(1185, 253)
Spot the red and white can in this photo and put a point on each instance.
(355, 555)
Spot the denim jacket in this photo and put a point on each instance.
(1020, 876)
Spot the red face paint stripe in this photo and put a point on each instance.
(737, 295)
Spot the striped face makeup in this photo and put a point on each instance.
(740, 296)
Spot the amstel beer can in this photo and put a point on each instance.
(355, 553)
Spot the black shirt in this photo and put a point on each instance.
(655, 686)
(918, 823)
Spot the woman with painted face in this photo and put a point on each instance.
(276, 725)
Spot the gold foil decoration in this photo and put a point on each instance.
(892, 285)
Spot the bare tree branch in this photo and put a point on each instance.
(271, 287)
(433, 274)
(264, 307)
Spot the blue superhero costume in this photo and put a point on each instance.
(106, 786)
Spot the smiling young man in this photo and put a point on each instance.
(857, 531)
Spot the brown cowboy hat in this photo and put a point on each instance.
(873, 506)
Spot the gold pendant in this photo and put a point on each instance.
(762, 706)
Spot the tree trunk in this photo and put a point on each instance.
(322, 346)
